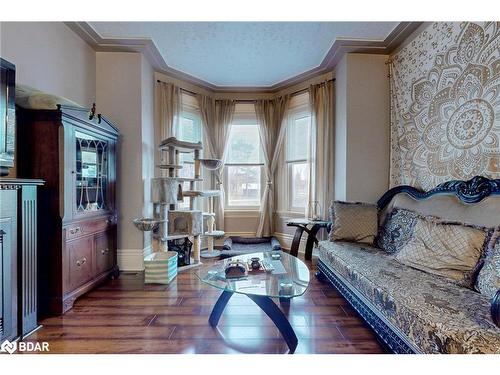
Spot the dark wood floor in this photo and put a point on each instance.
(126, 316)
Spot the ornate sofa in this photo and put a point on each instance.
(412, 311)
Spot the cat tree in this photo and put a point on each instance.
(168, 222)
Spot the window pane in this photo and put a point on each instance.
(243, 185)
(186, 171)
(300, 181)
(184, 205)
(189, 130)
(244, 145)
(298, 138)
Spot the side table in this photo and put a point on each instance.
(311, 227)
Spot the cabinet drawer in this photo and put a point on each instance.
(80, 261)
(88, 227)
(103, 252)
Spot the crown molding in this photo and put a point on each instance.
(339, 48)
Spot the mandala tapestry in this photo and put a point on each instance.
(445, 105)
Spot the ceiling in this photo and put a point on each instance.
(245, 54)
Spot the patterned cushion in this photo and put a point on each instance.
(356, 222)
(488, 280)
(435, 314)
(396, 230)
(449, 250)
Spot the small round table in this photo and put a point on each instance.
(303, 225)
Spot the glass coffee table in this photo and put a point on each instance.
(288, 278)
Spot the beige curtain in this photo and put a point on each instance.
(216, 116)
(321, 150)
(170, 109)
(270, 114)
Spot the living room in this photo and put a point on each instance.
(210, 185)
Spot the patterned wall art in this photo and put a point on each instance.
(445, 105)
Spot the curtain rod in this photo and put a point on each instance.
(251, 100)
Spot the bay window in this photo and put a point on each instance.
(243, 166)
(188, 129)
(296, 157)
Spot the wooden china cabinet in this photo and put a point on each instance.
(74, 151)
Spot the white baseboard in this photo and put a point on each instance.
(241, 234)
(286, 239)
(132, 259)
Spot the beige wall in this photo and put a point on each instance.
(50, 57)
(368, 127)
(340, 190)
(362, 128)
(148, 141)
(125, 94)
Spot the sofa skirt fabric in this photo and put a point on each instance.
(434, 314)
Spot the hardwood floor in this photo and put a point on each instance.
(126, 316)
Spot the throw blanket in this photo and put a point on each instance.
(31, 98)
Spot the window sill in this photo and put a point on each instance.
(242, 212)
(290, 214)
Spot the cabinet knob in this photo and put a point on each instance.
(105, 251)
(74, 230)
(81, 262)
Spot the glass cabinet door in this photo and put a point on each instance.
(92, 173)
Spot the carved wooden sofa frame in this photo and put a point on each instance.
(471, 191)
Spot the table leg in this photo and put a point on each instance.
(219, 308)
(279, 319)
(285, 300)
(294, 249)
(269, 307)
(311, 239)
(285, 305)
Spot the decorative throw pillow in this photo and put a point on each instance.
(354, 222)
(450, 250)
(488, 280)
(396, 230)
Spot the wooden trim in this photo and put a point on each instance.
(495, 308)
(471, 191)
(20, 181)
(338, 49)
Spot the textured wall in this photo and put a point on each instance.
(445, 97)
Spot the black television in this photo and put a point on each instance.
(7, 115)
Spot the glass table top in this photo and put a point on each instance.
(303, 221)
(288, 278)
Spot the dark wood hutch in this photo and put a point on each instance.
(74, 152)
